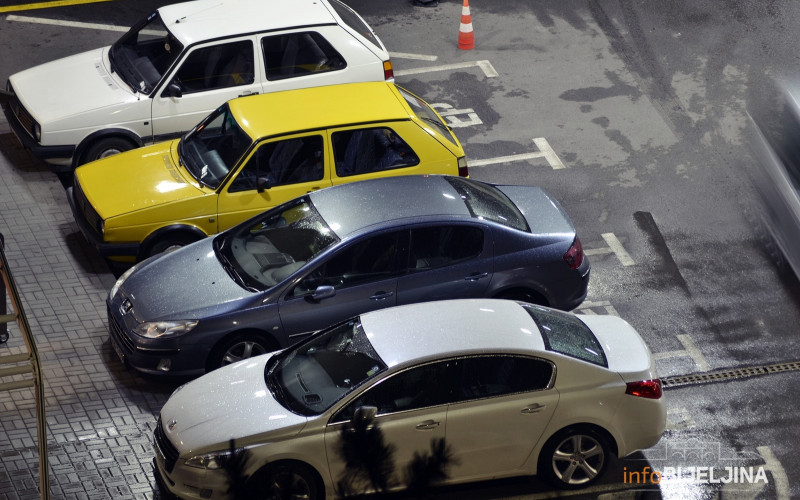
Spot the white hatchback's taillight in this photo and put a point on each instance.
(574, 256)
(388, 71)
(650, 389)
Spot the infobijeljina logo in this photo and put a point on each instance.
(699, 475)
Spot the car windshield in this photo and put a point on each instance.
(485, 201)
(309, 378)
(264, 251)
(566, 334)
(144, 54)
(211, 149)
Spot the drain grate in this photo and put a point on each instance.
(734, 373)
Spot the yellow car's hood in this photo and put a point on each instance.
(135, 180)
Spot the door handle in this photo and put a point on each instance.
(315, 188)
(476, 276)
(534, 408)
(427, 425)
(381, 295)
(248, 93)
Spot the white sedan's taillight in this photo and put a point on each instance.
(574, 256)
(650, 389)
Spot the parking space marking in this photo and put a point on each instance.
(680, 419)
(545, 151)
(772, 464)
(451, 115)
(588, 307)
(75, 24)
(417, 57)
(614, 246)
(484, 65)
(689, 350)
(48, 5)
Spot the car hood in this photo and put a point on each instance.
(626, 352)
(135, 180)
(232, 402)
(543, 212)
(206, 287)
(69, 87)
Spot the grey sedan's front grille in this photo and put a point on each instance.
(118, 334)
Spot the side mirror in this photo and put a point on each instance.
(365, 413)
(323, 292)
(174, 90)
(262, 184)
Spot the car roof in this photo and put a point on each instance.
(200, 20)
(427, 330)
(351, 207)
(289, 111)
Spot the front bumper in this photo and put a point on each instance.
(105, 249)
(12, 109)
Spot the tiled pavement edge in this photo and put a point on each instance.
(99, 415)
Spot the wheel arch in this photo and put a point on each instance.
(105, 133)
(218, 345)
(193, 232)
(523, 293)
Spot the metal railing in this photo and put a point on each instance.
(20, 371)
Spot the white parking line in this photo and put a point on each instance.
(614, 246)
(485, 66)
(417, 57)
(587, 307)
(694, 352)
(74, 24)
(773, 465)
(545, 151)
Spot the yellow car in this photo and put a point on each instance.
(251, 154)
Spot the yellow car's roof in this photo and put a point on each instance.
(291, 111)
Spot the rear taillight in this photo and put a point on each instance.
(574, 256)
(650, 389)
(463, 171)
(388, 71)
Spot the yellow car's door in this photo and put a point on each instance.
(278, 170)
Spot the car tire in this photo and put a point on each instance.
(169, 243)
(574, 458)
(107, 147)
(285, 480)
(238, 347)
(523, 296)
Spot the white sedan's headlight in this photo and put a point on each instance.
(210, 461)
(120, 280)
(158, 329)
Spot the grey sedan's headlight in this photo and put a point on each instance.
(158, 329)
(210, 461)
(120, 280)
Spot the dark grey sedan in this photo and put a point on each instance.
(337, 253)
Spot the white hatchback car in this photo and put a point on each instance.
(512, 388)
(180, 63)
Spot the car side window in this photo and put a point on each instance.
(215, 67)
(290, 161)
(489, 376)
(370, 150)
(413, 389)
(298, 54)
(371, 259)
(439, 246)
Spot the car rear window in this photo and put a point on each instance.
(426, 113)
(487, 202)
(566, 334)
(355, 23)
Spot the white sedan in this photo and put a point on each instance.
(512, 388)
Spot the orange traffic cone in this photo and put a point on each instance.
(466, 38)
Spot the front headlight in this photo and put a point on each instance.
(210, 461)
(158, 329)
(120, 280)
